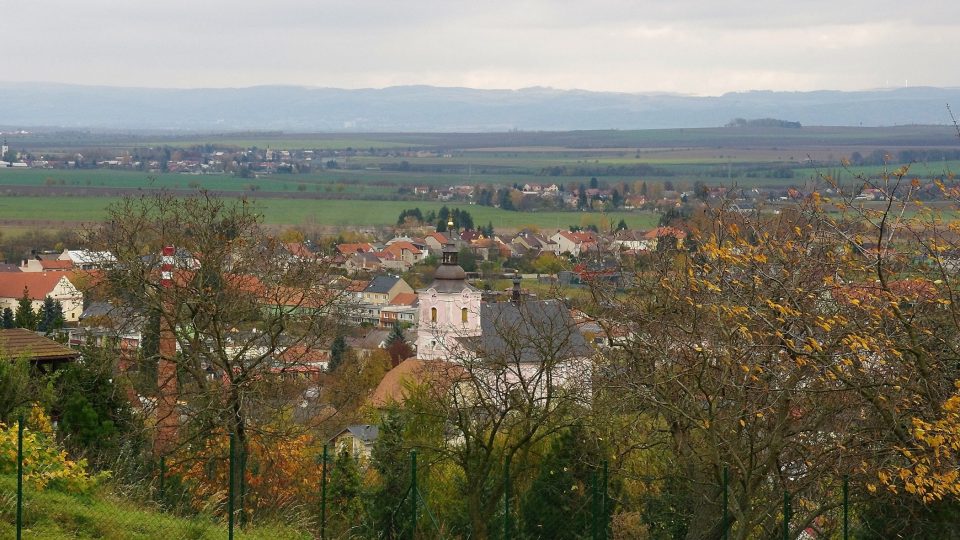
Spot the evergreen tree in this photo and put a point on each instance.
(390, 458)
(557, 505)
(58, 318)
(443, 216)
(25, 317)
(344, 491)
(582, 197)
(397, 346)
(622, 226)
(51, 316)
(338, 350)
(616, 199)
(7, 321)
(97, 418)
(504, 201)
(396, 335)
(462, 219)
(467, 259)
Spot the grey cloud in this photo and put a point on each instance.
(692, 46)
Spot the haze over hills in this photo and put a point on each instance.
(426, 108)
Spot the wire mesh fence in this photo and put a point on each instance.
(222, 488)
(227, 490)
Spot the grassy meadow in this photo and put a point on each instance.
(51, 515)
(337, 213)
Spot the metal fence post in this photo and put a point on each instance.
(726, 502)
(242, 477)
(323, 496)
(506, 499)
(413, 494)
(846, 506)
(20, 477)
(230, 485)
(786, 516)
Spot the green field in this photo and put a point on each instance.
(913, 135)
(339, 213)
(361, 191)
(924, 171)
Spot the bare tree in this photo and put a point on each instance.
(501, 393)
(247, 316)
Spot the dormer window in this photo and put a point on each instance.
(433, 314)
(463, 315)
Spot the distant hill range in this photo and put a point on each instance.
(433, 109)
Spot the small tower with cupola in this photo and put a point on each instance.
(449, 311)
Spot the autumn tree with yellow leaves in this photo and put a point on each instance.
(794, 346)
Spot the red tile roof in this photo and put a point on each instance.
(398, 247)
(39, 284)
(56, 265)
(404, 299)
(660, 232)
(439, 237)
(394, 386)
(349, 249)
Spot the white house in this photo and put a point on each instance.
(522, 343)
(87, 260)
(573, 242)
(38, 286)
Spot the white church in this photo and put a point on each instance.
(524, 341)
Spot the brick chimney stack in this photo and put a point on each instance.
(167, 421)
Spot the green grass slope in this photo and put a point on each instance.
(53, 515)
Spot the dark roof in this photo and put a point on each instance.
(381, 284)
(449, 276)
(17, 342)
(451, 286)
(119, 316)
(97, 309)
(365, 433)
(7, 267)
(531, 331)
(371, 340)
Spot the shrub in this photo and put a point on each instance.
(45, 464)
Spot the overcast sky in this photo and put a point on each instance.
(702, 47)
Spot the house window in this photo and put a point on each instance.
(463, 315)
(433, 314)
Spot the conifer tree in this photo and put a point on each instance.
(25, 316)
(557, 504)
(7, 320)
(390, 458)
(397, 346)
(50, 316)
(345, 489)
(338, 349)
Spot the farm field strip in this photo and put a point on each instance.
(327, 213)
